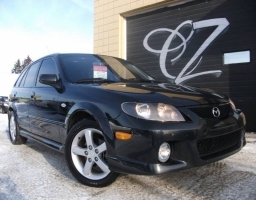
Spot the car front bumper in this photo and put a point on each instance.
(195, 143)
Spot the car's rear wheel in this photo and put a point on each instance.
(14, 131)
(85, 153)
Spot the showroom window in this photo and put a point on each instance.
(236, 57)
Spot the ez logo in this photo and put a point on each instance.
(220, 23)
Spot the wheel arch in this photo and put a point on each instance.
(90, 111)
(10, 108)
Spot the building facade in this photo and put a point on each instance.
(202, 43)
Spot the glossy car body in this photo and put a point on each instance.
(4, 104)
(212, 128)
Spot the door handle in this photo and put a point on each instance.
(32, 94)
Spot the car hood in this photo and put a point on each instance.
(176, 95)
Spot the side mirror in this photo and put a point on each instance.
(52, 80)
(238, 111)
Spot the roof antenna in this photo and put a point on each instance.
(48, 49)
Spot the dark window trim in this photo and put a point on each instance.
(56, 67)
(33, 85)
(20, 78)
(24, 78)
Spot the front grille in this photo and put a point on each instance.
(206, 112)
(210, 147)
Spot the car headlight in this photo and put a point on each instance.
(232, 104)
(153, 111)
(5, 104)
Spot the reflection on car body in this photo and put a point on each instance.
(4, 104)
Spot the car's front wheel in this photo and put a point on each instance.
(14, 131)
(85, 153)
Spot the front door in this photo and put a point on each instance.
(44, 105)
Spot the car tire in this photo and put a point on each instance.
(1, 109)
(14, 131)
(85, 153)
(3, 112)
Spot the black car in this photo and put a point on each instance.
(4, 104)
(109, 117)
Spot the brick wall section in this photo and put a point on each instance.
(108, 23)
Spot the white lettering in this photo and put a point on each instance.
(183, 76)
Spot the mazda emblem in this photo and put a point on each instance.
(216, 112)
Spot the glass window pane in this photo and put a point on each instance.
(81, 66)
(22, 75)
(31, 75)
(48, 67)
(236, 57)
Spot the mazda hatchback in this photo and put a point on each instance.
(109, 117)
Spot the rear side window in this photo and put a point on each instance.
(31, 75)
(22, 76)
(48, 67)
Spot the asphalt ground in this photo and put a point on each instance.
(33, 171)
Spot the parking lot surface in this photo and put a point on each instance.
(33, 171)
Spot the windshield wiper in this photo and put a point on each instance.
(94, 80)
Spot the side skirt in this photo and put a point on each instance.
(49, 143)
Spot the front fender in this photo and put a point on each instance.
(98, 115)
(12, 106)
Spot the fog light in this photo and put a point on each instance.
(164, 152)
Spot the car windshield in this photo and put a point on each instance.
(84, 68)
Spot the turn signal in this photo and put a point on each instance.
(123, 136)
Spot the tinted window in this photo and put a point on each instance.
(23, 79)
(22, 75)
(48, 67)
(81, 67)
(31, 75)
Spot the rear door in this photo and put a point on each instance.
(20, 95)
(43, 106)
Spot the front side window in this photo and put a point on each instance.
(48, 67)
(83, 68)
(31, 75)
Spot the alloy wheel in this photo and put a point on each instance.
(88, 151)
(13, 128)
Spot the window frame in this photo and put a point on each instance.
(33, 84)
(37, 76)
(21, 76)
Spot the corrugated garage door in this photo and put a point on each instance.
(202, 43)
